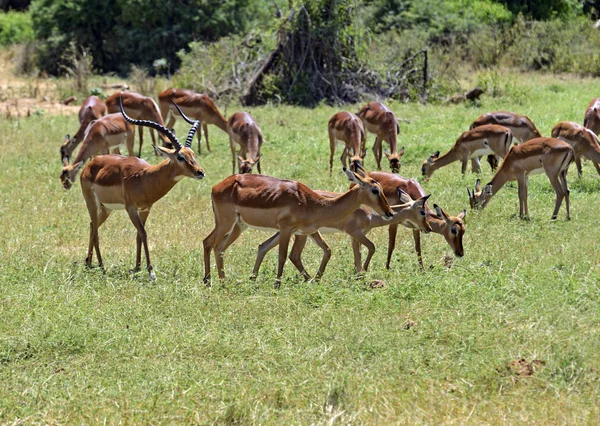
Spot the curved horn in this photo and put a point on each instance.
(195, 124)
(152, 124)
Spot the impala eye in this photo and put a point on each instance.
(423, 213)
(180, 158)
(453, 230)
(375, 191)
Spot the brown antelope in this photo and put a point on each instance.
(585, 143)
(521, 127)
(475, 194)
(379, 119)
(535, 156)
(489, 139)
(114, 182)
(101, 136)
(195, 105)
(290, 207)
(411, 214)
(138, 107)
(592, 116)
(452, 228)
(348, 128)
(92, 109)
(244, 131)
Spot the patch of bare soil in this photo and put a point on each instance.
(27, 107)
(522, 368)
(377, 284)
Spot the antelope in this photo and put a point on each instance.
(539, 155)
(244, 131)
(520, 126)
(484, 140)
(195, 105)
(475, 194)
(452, 228)
(592, 116)
(410, 213)
(290, 207)
(101, 136)
(379, 119)
(585, 143)
(114, 182)
(139, 107)
(348, 128)
(92, 109)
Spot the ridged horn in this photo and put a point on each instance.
(151, 124)
(195, 125)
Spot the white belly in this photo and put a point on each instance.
(536, 172)
(481, 152)
(114, 206)
(260, 228)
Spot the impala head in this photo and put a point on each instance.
(66, 149)
(181, 156)
(473, 196)
(453, 230)
(68, 174)
(245, 165)
(371, 194)
(417, 219)
(395, 160)
(426, 166)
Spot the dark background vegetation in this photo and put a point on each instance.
(319, 49)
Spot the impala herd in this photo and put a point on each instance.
(289, 208)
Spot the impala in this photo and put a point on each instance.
(101, 136)
(195, 105)
(592, 116)
(489, 139)
(379, 119)
(475, 194)
(411, 214)
(244, 131)
(535, 156)
(138, 107)
(92, 109)
(290, 207)
(452, 228)
(114, 182)
(585, 143)
(348, 128)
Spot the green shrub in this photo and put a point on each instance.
(15, 27)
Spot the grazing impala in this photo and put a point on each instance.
(585, 143)
(101, 136)
(484, 140)
(535, 156)
(475, 194)
(244, 131)
(114, 182)
(92, 109)
(348, 128)
(452, 228)
(195, 105)
(286, 206)
(379, 119)
(138, 107)
(411, 214)
(592, 116)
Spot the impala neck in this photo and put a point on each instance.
(498, 181)
(160, 179)
(437, 225)
(400, 214)
(332, 210)
(444, 160)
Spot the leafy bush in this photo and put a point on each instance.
(15, 27)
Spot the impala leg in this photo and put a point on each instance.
(464, 162)
(232, 147)
(263, 249)
(596, 166)
(578, 164)
(102, 216)
(199, 138)
(417, 238)
(331, 151)
(284, 241)
(376, 152)
(296, 255)
(565, 187)
(361, 238)
(344, 157)
(222, 227)
(205, 127)
(318, 239)
(357, 257)
(558, 188)
(522, 184)
(172, 120)
(138, 252)
(392, 231)
(137, 222)
(475, 165)
(141, 134)
(224, 245)
(129, 146)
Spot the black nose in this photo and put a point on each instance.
(200, 173)
(459, 254)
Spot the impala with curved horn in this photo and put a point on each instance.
(115, 182)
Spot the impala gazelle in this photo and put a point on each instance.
(244, 131)
(592, 116)
(489, 139)
(348, 128)
(411, 214)
(585, 143)
(92, 109)
(452, 228)
(379, 119)
(115, 182)
(197, 106)
(473, 196)
(290, 207)
(101, 136)
(540, 155)
(138, 107)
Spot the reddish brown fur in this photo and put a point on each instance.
(584, 142)
(592, 116)
(348, 128)
(244, 131)
(379, 119)
(92, 109)
(521, 126)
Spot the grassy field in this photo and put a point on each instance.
(81, 346)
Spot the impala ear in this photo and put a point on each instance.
(401, 152)
(387, 153)
(353, 177)
(163, 152)
(77, 166)
(240, 159)
(403, 196)
(469, 193)
(441, 214)
(431, 160)
(488, 190)
(435, 154)
(67, 136)
(421, 201)
(478, 185)
(256, 159)
(462, 215)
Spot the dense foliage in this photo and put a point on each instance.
(15, 27)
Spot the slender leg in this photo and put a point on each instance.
(360, 237)
(224, 244)
(522, 184)
(357, 256)
(199, 137)
(129, 146)
(296, 255)
(263, 249)
(578, 164)
(98, 214)
(151, 136)
(464, 163)
(392, 231)
(475, 165)
(232, 146)
(205, 127)
(344, 157)
(331, 151)
(565, 186)
(138, 253)
(558, 188)
(141, 133)
(316, 237)
(137, 222)
(284, 241)
(258, 167)
(376, 149)
(417, 238)
(224, 224)
(596, 166)
(172, 120)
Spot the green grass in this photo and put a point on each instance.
(81, 346)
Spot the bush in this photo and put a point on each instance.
(15, 27)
